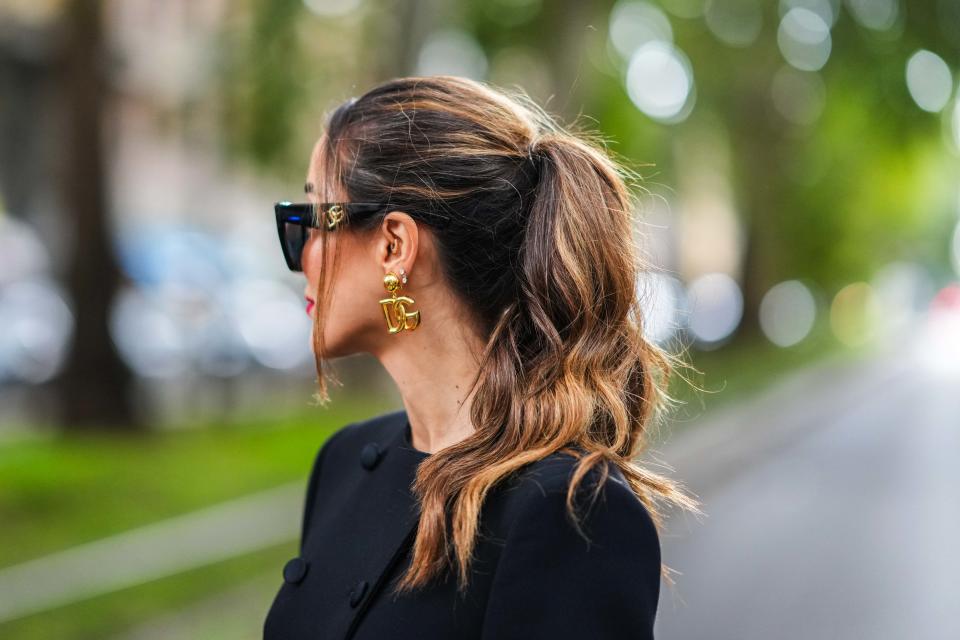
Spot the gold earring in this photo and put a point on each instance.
(401, 318)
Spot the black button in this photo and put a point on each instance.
(294, 570)
(370, 455)
(357, 593)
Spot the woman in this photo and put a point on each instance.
(485, 257)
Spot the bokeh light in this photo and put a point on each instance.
(827, 10)
(37, 330)
(804, 39)
(157, 255)
(937, 347)
(272, 322)
(660, 82)
(854, 314)
(903, 290)
(634, 24)
(22, 255)
(878, 15)
(452, 52)
(929, 80)
(787, 313)
(716, 308)
(147, 333)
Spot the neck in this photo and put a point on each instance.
(433, 368)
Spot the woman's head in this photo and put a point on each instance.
(454, 162)
(526, 233)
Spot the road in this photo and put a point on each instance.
(833, 505)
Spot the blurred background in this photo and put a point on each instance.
(799, 214)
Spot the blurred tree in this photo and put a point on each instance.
(800, 187)
(26, 71)
(95, 388)
(833, 198)
(263, 80)
(399, 28)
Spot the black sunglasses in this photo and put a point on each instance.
(294, 219)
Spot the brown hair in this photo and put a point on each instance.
(539, 242)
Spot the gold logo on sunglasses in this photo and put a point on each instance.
(334, 216)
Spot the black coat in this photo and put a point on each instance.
(534, 576)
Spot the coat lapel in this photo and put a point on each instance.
(387, 512)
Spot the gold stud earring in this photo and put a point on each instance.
(400, 319)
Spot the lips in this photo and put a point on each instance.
(310, 304)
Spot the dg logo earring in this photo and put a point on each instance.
(395, 307)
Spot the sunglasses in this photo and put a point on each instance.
(295, 219)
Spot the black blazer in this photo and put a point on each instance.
(533, 576)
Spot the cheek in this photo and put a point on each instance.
(312, 261)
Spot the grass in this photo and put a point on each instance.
(81, 487)
(111, 614)
(61, 492)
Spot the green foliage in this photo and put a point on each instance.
(263, 81)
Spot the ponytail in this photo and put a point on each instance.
(577, 252)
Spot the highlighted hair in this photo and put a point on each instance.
(541, 247)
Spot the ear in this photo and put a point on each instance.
(398, 242)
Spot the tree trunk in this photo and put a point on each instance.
(757, 136)
(95, 389)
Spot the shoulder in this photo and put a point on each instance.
(537, 497)
(608, 523)
(599, 579)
